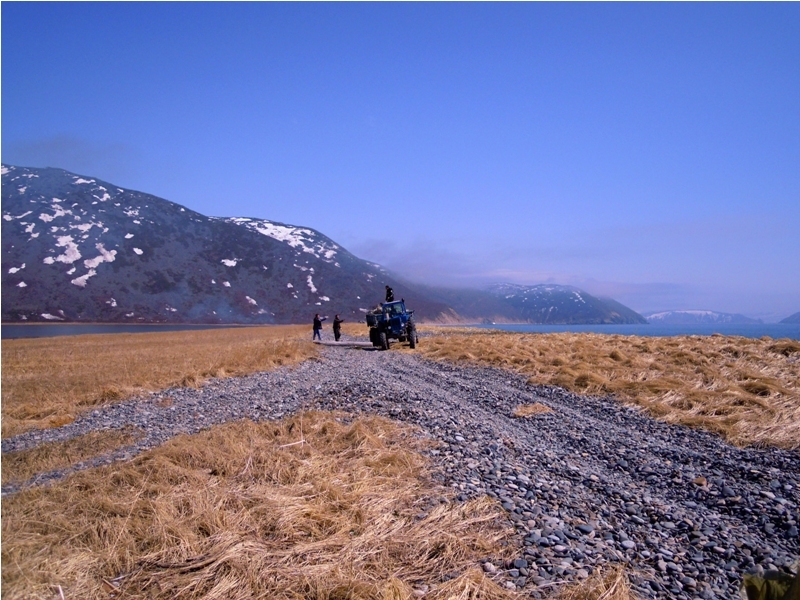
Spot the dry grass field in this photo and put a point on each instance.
(47, 382)
(311, 507)
(747, 390)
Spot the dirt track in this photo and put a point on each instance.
(590, 483)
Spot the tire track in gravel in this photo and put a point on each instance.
(592, 483)
(596, 481)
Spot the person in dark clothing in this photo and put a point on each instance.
(318, 327)
(389, 294)
(337, 327)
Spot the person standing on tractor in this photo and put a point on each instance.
(318, 327)
(389, 294)
(337, 327)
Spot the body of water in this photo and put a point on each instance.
(39, 330)
(773, 330)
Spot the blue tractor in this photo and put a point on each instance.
(391, 321)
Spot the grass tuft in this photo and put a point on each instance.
(607, 585)
(529, 410)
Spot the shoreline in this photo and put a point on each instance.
(774, 331)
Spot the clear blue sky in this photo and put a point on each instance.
(650, 152)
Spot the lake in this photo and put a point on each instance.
(39, 330)
(773, 330)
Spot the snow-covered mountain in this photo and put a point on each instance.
(693, 317)
(547, 303)
(76, 248)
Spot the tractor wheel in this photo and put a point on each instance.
(412, 338)
(373, 336)
(384, 341)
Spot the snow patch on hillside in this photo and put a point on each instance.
(71, 252)
(105, 256)
(300, 238)
(81, 281)
(84, 227)
(9, 217)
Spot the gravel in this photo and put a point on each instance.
(589, 484)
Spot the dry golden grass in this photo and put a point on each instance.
(529, 410)
(357, 329)
(747, 390)
(608, 585)
(311, 508)
(48, 381)
(20, 466)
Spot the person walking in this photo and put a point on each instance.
(318, 327)
(337, 327)
(389, 294)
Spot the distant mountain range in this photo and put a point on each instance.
(552, 304)
(76, 248)
(694, 317)
(792, 319)
(543, 304)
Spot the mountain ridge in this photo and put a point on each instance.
(79, 249)
(564, 304)
(692, 317)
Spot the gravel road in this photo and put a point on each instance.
(589, 484)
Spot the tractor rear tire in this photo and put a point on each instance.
(412, 338)
(373, 336)
(384, 341)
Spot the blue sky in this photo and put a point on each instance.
(650, 152)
